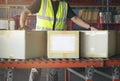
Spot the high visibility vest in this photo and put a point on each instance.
(45, 16)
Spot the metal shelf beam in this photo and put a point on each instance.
(51, 64)
(110, 63)
(116, 80)
(58, 63)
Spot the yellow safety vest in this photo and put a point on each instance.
(45, 16)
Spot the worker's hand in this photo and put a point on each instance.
(23, 28)
(93, 28)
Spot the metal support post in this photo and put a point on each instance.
(10, 75)
(69, 75)
(66, 74)
(2, 75)
(89, 73)
(116, 73)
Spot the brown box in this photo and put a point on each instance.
(94, 16)
(20, 44)
(118, 42)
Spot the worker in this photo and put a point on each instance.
(52, 15)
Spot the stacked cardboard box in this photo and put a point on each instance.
(89, 15)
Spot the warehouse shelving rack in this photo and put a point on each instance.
(88, 63)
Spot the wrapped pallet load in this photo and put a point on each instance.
(21, 44)
(98, 44)
(63, 44)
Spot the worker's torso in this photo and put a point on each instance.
(50, 17)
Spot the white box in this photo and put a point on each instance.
(3, 24)
(63, 44)
(20, 44)
(99, 44)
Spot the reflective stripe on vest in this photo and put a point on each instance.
(45, 17)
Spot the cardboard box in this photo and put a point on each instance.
(20, 44)
(98, 44)
(118, 42)
(63, 44)
(94, 15)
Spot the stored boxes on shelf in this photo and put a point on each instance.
(98, 44)
(20, 44)
(63, 44)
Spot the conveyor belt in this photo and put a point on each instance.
(60, 63)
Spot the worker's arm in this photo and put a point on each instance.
(23, 18)
(81, 23)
